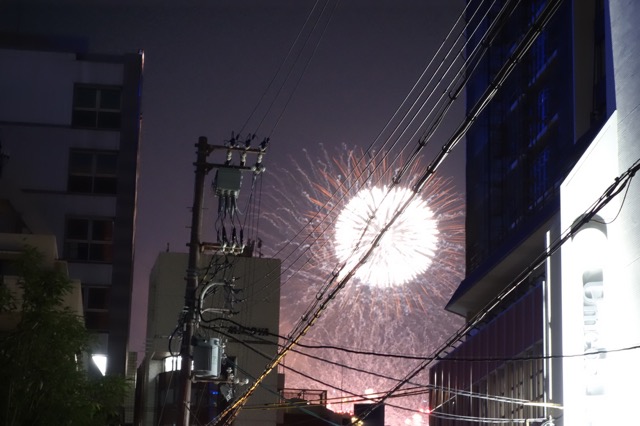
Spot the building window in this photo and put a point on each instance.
(539, 177)
(93, 172)
(96, 307)
(96, 107)
(89, 239)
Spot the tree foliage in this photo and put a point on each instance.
(42, 381)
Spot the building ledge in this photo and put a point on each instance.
(482, 285)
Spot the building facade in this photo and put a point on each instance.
(509, 366)
(70, 135)
(600, 269)
(530, 135)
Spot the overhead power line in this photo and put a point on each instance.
(371, 155)
(258, 381)
(291, 60)
(418, 388)
(318, 305)
(523, 46)
(337, 282)
(449, 94)
(619, 184)
(418, 357)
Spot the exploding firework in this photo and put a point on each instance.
(393, 306)
(404, 251)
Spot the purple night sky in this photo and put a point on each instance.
(208, 63)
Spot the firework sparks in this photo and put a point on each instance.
(405, 250)
(375, 312)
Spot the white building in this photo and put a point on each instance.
(243, 289)
(600, 266)
(69, 131)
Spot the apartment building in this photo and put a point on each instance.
(70, 137)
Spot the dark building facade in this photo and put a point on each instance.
(519, 151)
(528, 138)
(70, 125)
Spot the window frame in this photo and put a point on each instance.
(96, 315)
(80, 113)
(90, 242)
(93, 175)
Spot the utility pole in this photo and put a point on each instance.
(186, 351)
(227, 190)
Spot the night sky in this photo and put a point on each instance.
(208, 63)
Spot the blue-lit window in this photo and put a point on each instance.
(539, 53)
(543, 105)
(539, 116)
(540, 177)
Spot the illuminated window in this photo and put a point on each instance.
(89, 239)
(93, 172)
(97, 107)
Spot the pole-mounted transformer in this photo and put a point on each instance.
(207, 358)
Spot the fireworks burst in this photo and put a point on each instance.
(401, 311)
(404, 251)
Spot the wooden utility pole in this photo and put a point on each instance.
(186, 351)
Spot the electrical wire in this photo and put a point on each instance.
(306, 65)
(428, 358)
(487, 420)
(464, 71)
(316, 229)
(504, 72)
(614, 189)
(257, 381)
(301, 408)
(313, 314)
(431, 387)
(417, 187)
(335, 275)
(369, 150)
(280, 67)
(417, 390)
(438, 51)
